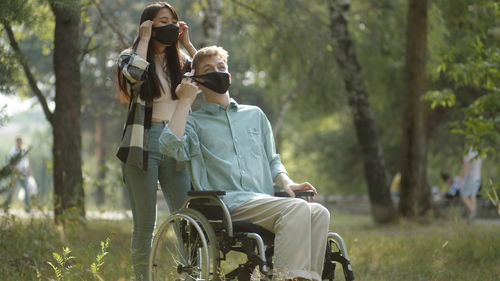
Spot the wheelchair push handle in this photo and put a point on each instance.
(298, 193)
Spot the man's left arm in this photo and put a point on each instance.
(278, 171)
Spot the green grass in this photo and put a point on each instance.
(26, 247)
(450, 249)
(427, 249)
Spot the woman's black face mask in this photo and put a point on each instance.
(215, 81)
(166, 34)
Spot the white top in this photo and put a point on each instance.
(164, 106)
(474, 170)
(23, 165)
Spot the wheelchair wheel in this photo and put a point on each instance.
(184, 248)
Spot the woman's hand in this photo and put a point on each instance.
(145, 30)
(184, 38)
(184, 35)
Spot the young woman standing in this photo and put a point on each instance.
(148, 74)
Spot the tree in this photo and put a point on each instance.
(374, 167)
(65, 118)
(414, 195)
(212, 22)
(471, 69)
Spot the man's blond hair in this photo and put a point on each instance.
(207, 52)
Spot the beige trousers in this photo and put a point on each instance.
(300, 230)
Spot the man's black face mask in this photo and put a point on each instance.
(167, 34)
(215, 81)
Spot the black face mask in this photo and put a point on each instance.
(215, 81)
(167, 34)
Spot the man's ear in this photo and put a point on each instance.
(229, 78)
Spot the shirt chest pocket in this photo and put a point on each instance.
(254, 141)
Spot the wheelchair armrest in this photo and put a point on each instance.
(206, 193)
(298, 193)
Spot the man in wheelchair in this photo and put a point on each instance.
(228, 146)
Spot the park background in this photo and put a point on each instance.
(356, 91)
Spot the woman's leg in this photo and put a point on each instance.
(142, 186)
(174, 182)
(174, 179)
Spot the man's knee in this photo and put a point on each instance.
(300, 206)
(320, 212)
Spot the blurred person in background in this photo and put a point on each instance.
(21, 172)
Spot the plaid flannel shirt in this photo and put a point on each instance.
(134, 144)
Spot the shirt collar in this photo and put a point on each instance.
(214, 107)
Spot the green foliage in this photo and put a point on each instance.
(445, 98)
(64, 263)
(493, 194)
(28, 250)
(473, 63)
(9, 72)
(481, 124)
(32, 23)
(99, 261)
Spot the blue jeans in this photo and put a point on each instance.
(19, 180)
(23, 182)
(142, 186)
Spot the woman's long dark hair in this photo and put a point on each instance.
(151, 88)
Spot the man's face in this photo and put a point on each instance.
(19, 143)
(210, 64)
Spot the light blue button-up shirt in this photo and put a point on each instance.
(227, 149)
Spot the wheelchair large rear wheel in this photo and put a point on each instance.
(184, 248)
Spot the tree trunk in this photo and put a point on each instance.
(211, 22)
(414, 195)
(378, 188)
(68, 182)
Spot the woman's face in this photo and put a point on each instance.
(164, 17)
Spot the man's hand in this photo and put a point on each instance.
(187, 90)
(291, 187)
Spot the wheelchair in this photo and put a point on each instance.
(193, 242)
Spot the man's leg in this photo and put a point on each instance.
(23, 182)
(293, 221)
(320, 220)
